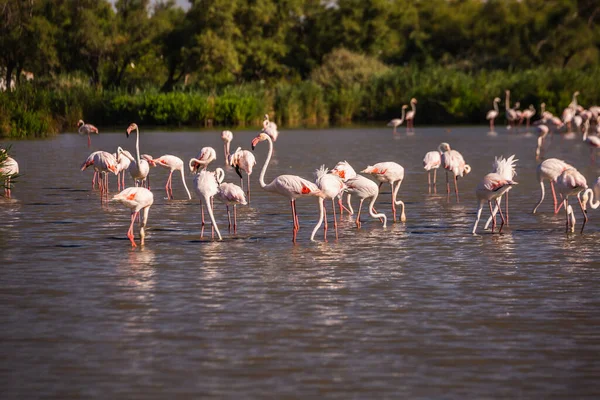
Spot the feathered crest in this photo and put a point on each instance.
(506, 167)
(322, 171)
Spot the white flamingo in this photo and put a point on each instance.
(229, 194)
(331, 186)
(454, 162)
(432, 161)
(410, 116)
(172, 163)
(203, 159)
(136, 199)
(493, 114)
(393, 174)
(123, 162)
(571, 183)
(345, 171)
(365, 188)
(396, 122)
(139, 168)
(489, 189)
(227, 137)
(505, 167)
(243, 160)
(103, 163)
(86, 129)
(206, 186)
(10, 169)
(270, 128)
(550, 169)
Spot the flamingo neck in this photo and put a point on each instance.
(261, 178)
(137, 145)
(316, 228)
(496, 106)
(211, 215)
(507, 101)
(403, 114)
(413, 107)
(372, 213)
(589, 195)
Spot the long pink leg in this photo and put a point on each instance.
(493, 216)
(325, 228)
(234, 219)
(167, 186)
(447, 185)
(334, 218)
(556, 205)
(565, 203)
(296, 220)
(228, 216)
(248, 189)
(506, 206)
(358, 216)
(89, 140)
(202, 212)
(501, 216)
(130, 231)
(456, 187)
(94, 179)
(393, 202)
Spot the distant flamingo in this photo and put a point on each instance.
(103, 163)
(229, 194)
(270, 128)
(393, 174)
(542, 133)
(136, 199)
(492, 114)
(505, 167)
(331, 186)
(289, 186)
(243, 160)
(592, 141)
(9, 170)
(453, 161)
(345, 171)
(365, 188)
(432, 161)
(550, 169)
(206, 186)
(173, 163)
(86, 129)
(410, 116)
(205, 157)
(489, 189)
(396, 122)
(123, 162)
(571, 183)
(227, 137)
(139, 168)
(528, 114)
(590, 195)
(511, 115)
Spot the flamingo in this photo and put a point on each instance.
(86, 129)
(9, 170)
(229, 194)
(243, 160)
(331, 186)
(511, 114)
(571, 183)
(136, 199)
(270, 128)
(345, 171)
(492, 114)
(542, 133)
(453, 161)
(123, 162)
(392, 173)
(139, 168)
(550, 169)
(365, 188)
(528, 114)
(173, 163)
(432, 161)
(206, 186)
(505, 167)
(489, 189)
(205, 157)
(103, 163)
(592, 141)
(410, 116)
(227, 137)
(396, 122)
(290, 186)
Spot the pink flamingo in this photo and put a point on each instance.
(207, 187)
(410, 116)
(289, 186)
(123, 162)
(571, 183)
(136, 199)
(243, 160)
(432, 161)
(8, 170)
(139, 169)
(331, 186)
(205, 157)
(229, 194)
(365, 188)
(491, 187)
(227, 137)
(542, 133)
(453, 161)
(511, 115)
(86, 129)
(528, 114)
(173, 163)
(592, 141)
(103, 163)
(393, 174)
(550, 169)
(492, 114)
(270, 128)
(396, 122)
(345, 171)
(505, 167)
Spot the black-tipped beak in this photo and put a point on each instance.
(237, 171)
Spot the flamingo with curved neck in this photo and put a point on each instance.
(139, 168)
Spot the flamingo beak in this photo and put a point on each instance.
(255, 142)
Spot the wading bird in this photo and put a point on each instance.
(410, 116)
(227, 137)
(453, 161)
(505, 167)
(173, 163)
(345, 171)
(86, 129)
(270, 128)
(365, 188)
(9, 169)
(243, 160)
(432, 161)
(489, 189)
(123, 162)
(139, 168)
(206, 186)
(571, 183)
(331, 186)
(205, 157)
(492, 114)
(396, 122)
(229, 194)
(136, 199)
(550, 169)
(103, 163)
(393, 174)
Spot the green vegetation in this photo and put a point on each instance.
(305, 62)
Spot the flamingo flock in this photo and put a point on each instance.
(566, 182)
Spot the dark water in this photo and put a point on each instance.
(418, 310)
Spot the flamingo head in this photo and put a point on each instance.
(227, 136)
(79, 123)
(219, 175)
(467, 169)
(576, 93)
(150, 160)
(444, 147)
(131, 128)
(260, 138)
(413, 100)
(497, 100)
(517, 105)
(507, 91)
(404, 107)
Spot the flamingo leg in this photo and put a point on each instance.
(566, 205)
(212, 225)
(130, 231)
(297, 222)
(334, 219)
(167, 186)
(456, 187)
(478, 216)
(501, 216)
(493, 219)
(295, 230)
(234, 219)
(393, 201)
(248, 189)
(358, 215)
(429, 181)
(228, 216)
(434, 181)
(202, 212)
(506, 207)
(556, 205)
(326, 227)
(447, 185)
(94, 179)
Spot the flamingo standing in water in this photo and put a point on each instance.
(103, 163)
(542, 133)
(396, 122)
(227, 137)
(173, 163)
(571, 183)
(592, 141)
(345, 171)
(9, 170)
(86, 129)
(491, 187)
(393, 174)
(432, 161)
(365, 188)
(410, 116)
(505, 167)
(511, 115)
(492, 114)
(205, 157)
(270, 128)
(206, 186)
(139, 168)
(331, 186)
(229, 194)
(528, 114)
(289, 186)
(243, 160)
(550, 169)
(123, 162)
(453, 161)
(136, 199)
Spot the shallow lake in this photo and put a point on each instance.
(418, 309)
